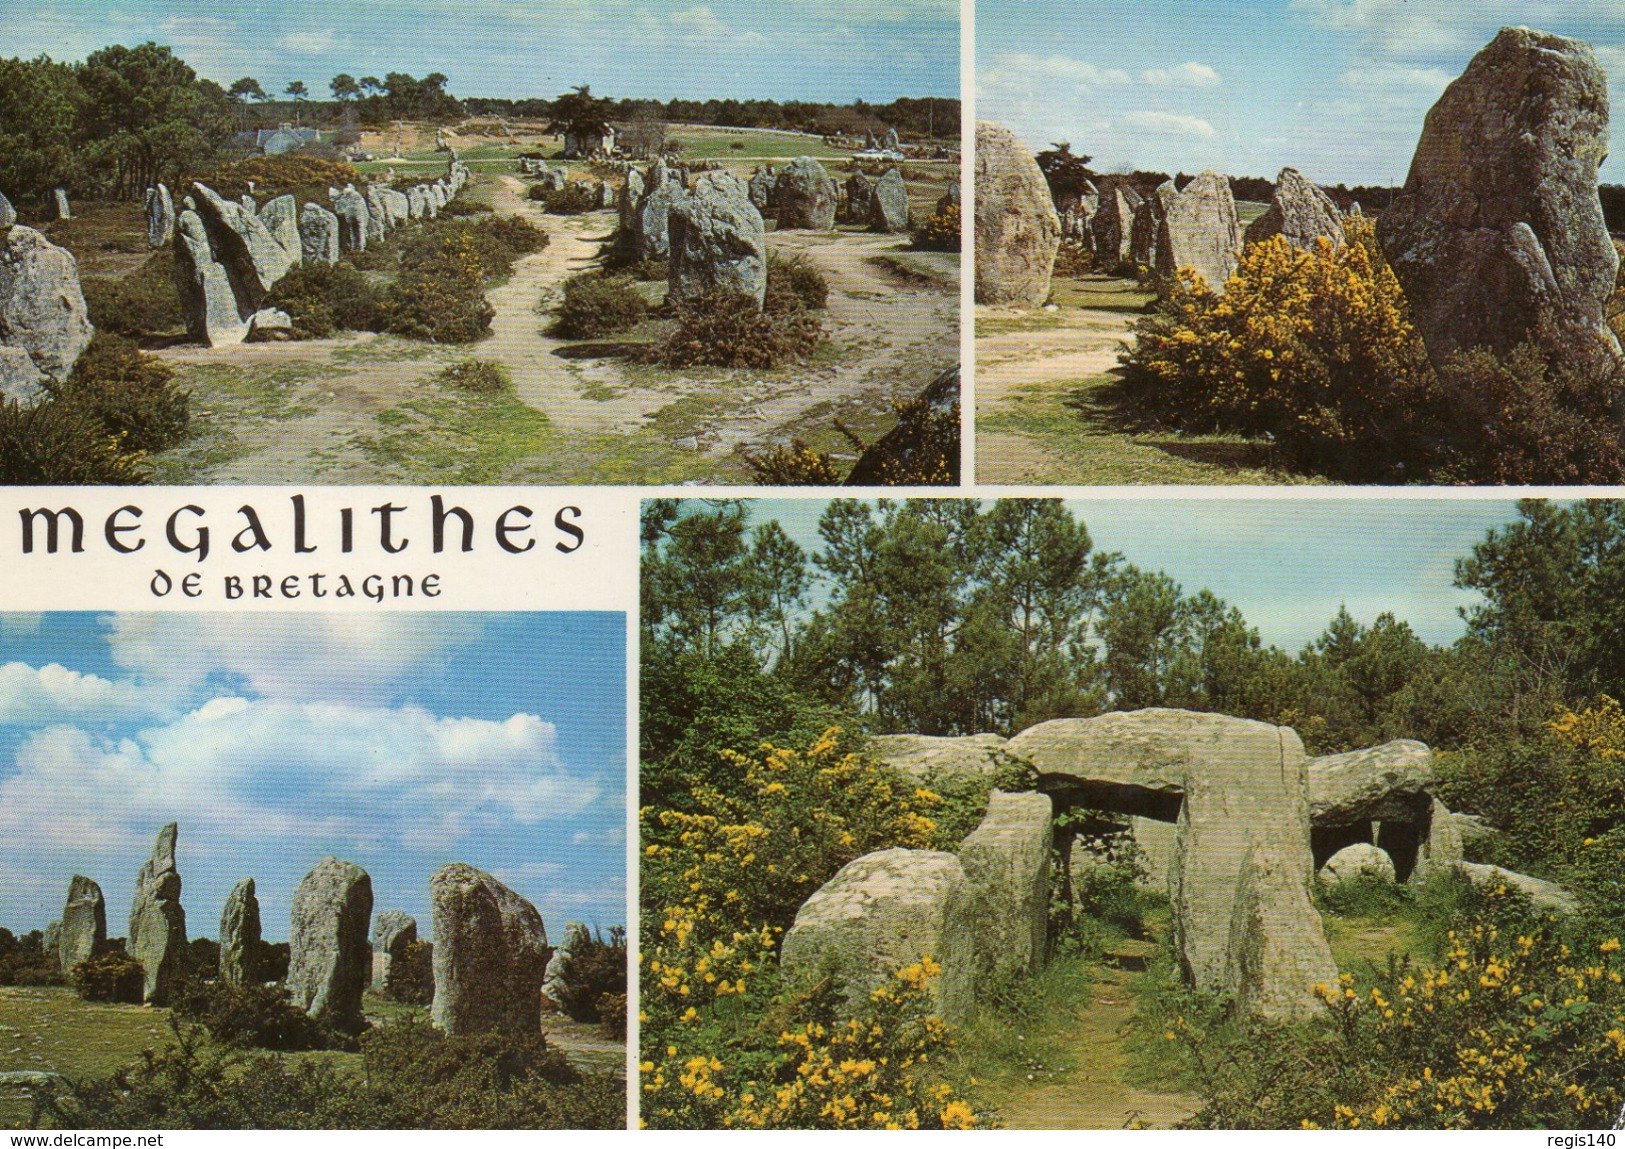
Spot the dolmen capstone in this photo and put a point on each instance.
(1006, 859)
(884, 912)
(1017, 230)
(804, 196)
(1382, 795)
(1498, 236)
(888, 204)
(157, 937)
(392, 932)
(490, 954)
(240, 935)
(83, 928)
(1199, 231)
(1299, 212)
(160, 216)
(1244, 924)
(44, 323)
(718, 242)
(330, 962)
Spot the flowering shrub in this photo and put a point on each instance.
(1317, 350)
(724, 1041)
(940, 231)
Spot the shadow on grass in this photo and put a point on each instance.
(609, 349)
(1112, 407)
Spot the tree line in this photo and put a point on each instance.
(949, 617)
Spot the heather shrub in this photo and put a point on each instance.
(141, 304)
(437, 308)
(111, 976)
(795, 279)
(721, 329)
(260, 1016)
(940, 230)
(571, 199)
(323, 299)
(481, 376)
(131, 395)
(596, 304)
(793, 465)
(64, 444)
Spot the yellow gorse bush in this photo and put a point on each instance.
(721, 882)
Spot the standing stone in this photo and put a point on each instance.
(160, 216)
(1498, 236)
(330, 964)
(1112, 226)
(52, 944)
(431, 209)
(207, 300)
(83, 929)
(490, 954)
(1147, 227)
(416, 207)
(888, 204)
(42, 309)
(718, 242)
(251, 255)
(248, 203)
(392, 932)
(318, 234)
(351, 208)
(377, 215)
(240, 935)
(1200, 232)
(397, 207)
(632, 192)
(805, 196)
(884, 912)
(62, 209)
(651, 229)
(561, 984)
(280, 215)
(8, 214)
(860, 190)
(1300, 211)
(1244, 924)
(892, 142)
(1007, 862)
(1017, 230)
(761, 190)
(157, 922)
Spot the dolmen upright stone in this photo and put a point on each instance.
(44, 323)
(318, 234)
(804, 196)
(1200, 232)
(1498, 237)
(1112, 225)
(240, 935)
(392, 932)
(1300, 212)
(83, 929)
(490, 954)
(1007, 862)
(354, 219)
(562, 983)
(330, 962)
(718, 242)
(882, 913)
(1244, 924)
(1017, 230)
(888, 204)
(160, 216)
(157, 937)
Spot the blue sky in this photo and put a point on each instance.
(834, 50)
(1287, 563)
(1335, 88)
(399, 742)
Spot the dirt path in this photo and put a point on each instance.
(1097, 1095)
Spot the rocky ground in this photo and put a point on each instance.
(368, 409)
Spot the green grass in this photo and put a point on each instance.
(715, 145)
(227, 400)
(1077, 425)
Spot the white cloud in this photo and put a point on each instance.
(1022, 68)
(240, 769)
(348, 657)
(1172, 123)
(53, 693)
(1395, 77)
(310, 43)
(1190, 75)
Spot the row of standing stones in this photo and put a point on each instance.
(228, 255)
(492, 963)
(1230, 816)
(710, 225)
(1498, 237)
